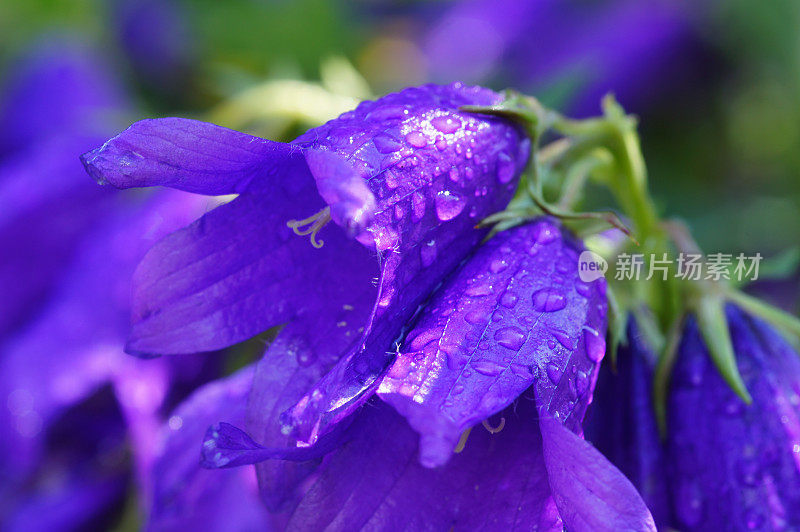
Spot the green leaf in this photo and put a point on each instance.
(714, 328)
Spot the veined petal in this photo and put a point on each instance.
(375, 482)
(238, 271)
(731, 462)
(301, 354)
(435, 172)
(591, 494)
(192, 156)
(516, 314)
(186, 496)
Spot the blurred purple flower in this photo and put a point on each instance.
(724, 463)
(156, 39)
(69, 252)
(633, 48)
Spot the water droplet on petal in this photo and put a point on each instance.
(548, 300)
(498, 265)
(446, 124)
(508, 300)
(582, 382)
(553, 373)
(487, 367)
(545, 233)
(416, 139)
(448, 205)
(386, 144)
(505, 168)
(595, 344)
(564, 339)
(510, 337)
(475, 317)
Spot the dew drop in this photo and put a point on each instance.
(510, 337)
(595, 344)
(545, 233)
(581, 382)
(446, 124)
(553, 373)
(479, 288)
(416, 139)
(386, 144)
(454, 175)
(455, 360)
(564, 339)
(508, 300)
(505, 168)
(487, 367)
(498, 265)
(448, 205)
(475, 317)
(583, 289)
(548, 300)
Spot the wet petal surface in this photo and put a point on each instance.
(516, 314)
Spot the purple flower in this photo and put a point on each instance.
(514, 317)
(407, 176)
(724, 463)
(732, 462)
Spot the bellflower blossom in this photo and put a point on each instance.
(723, 461)
(405, 178)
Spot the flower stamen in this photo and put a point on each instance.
(490, 428)
(463, 441)
(311, 226)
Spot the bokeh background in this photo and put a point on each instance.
(716, 85)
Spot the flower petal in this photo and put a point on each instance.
(731, 462)
(497, 483)
(190, 155)
(516, 314)
(189, 497)
(621, 423)
(238, 271)
(301, 354)
(592, 495)
(435, 172)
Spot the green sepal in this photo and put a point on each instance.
(663, 373)
(783, 321)
(617, 322)
(522, 109)
(714, 327)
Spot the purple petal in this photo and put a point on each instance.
(75, 344)
(238, 271)
(515, 315)
(621, 422)
(434, 171)
(228, 446)
(190, 497)
(46, 207)
(592, 495)
(300, 355)
(731, 462)
(375, 481)
(192, 156)
(59, 87)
